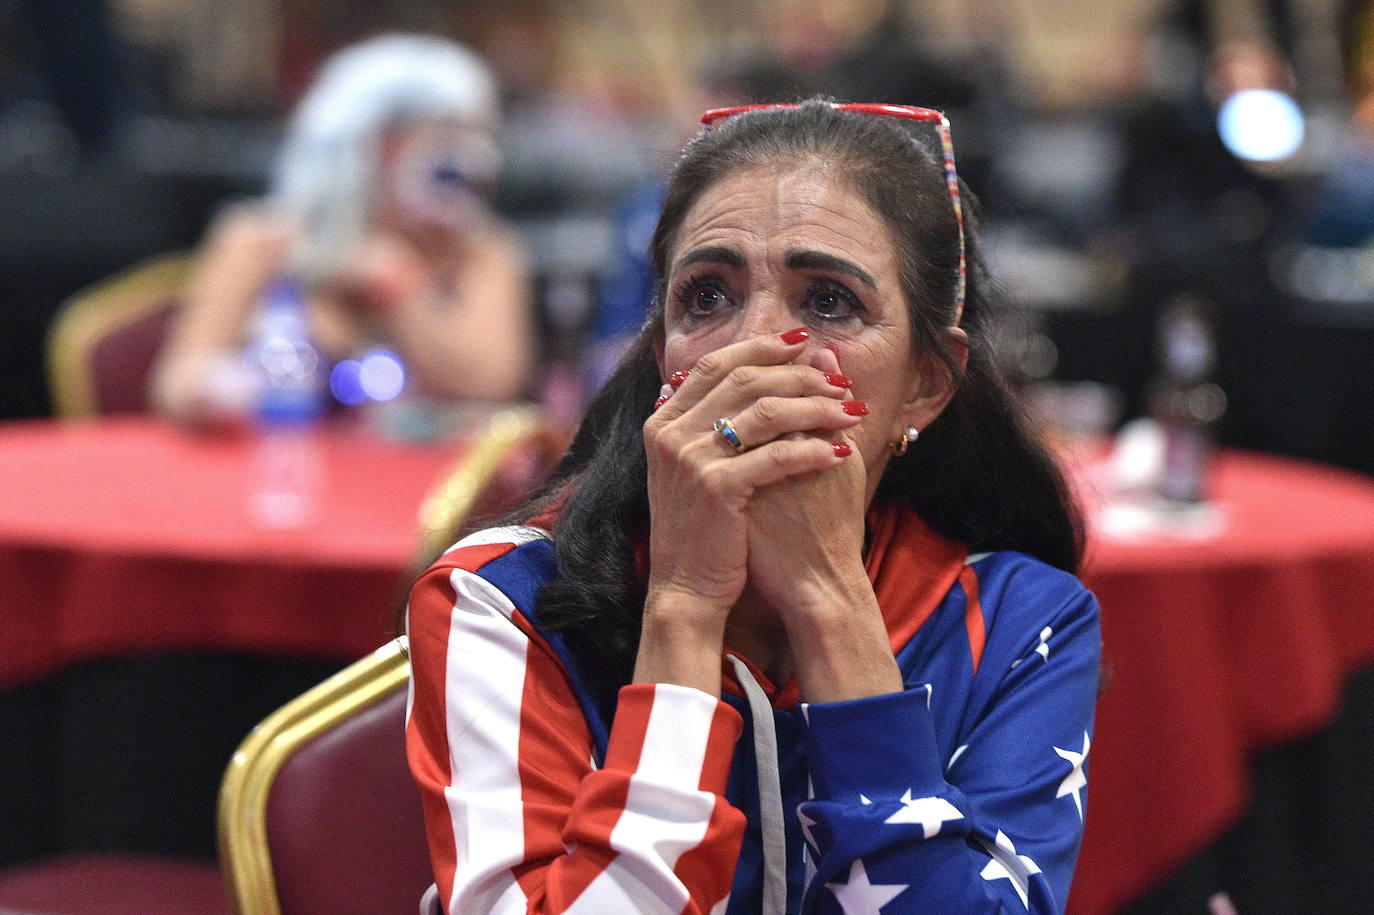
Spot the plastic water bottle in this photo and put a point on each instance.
(287, 476)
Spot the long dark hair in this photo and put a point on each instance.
(977, 474)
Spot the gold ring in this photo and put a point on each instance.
(727, 432)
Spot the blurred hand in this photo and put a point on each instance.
(247, 249)
(382, 273)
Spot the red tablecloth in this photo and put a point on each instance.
(1213, 650)
(126, 535)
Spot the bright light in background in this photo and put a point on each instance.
(1262, 125)
(345, 384)
(381, 375)
(378, 376)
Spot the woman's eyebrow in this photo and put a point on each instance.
(817, 260)
(710, 254)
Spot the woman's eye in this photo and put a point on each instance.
(831, 301)
(701, 299)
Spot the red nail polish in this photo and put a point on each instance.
(855, 407)
(839, 381)
(841, 449)
(796, 335)
(660, 402)
(677, 378)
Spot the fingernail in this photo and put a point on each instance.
(841, 449)
(660, 402)
(855, 407)
(677, 378)
(666, 391)
(839, 381)
(796, 335)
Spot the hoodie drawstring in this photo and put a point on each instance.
(772, 826)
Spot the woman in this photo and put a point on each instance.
(378, 206)
(832, 539)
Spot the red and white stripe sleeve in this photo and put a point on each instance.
(518, 819)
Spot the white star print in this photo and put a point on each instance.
(957, 753)
(806, 824)
(1043, 649)
(930, 812)
(1075, 781)
(859, 897)
(1006, 864)
(864, 800)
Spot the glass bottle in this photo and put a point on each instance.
(1184, 401)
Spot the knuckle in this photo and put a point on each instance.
(653, 430)
(711, 364)
(744, 378)
(825, 409)
(658, 444)
(715, 486)
(768, 409)
(806, 378)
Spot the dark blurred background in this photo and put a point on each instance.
(1090, 134)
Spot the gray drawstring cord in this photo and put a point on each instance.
(772, 826)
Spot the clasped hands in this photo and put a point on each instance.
(785, 515)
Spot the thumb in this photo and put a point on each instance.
(824, 359)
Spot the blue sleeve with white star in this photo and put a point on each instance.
(973, 806)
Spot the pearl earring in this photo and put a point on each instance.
(899, 447)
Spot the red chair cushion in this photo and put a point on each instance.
(344, 821)
(122, 361)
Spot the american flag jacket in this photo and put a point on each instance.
(965, 792)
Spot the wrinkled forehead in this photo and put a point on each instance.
(791, 179)
(805, 196)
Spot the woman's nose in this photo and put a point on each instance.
(766, 314)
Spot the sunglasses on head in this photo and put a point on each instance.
(906, 112)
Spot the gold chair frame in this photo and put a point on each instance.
(450, 504)
(96, 311)
(245, 853)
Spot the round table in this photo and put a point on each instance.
(126, 535)
(1213, 649)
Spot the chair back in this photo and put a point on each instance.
(318, 813)
(512, 456)
(104, 340)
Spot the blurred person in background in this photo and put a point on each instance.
(379, 208)
(1195, 218)
(1341, 211)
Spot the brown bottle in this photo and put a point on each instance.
(1183, 400)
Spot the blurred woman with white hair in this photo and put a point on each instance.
(379, 208)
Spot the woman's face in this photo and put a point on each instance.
(436, 175)
(764, 251)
